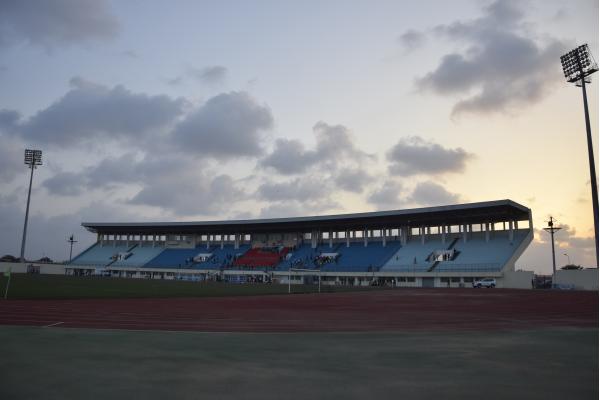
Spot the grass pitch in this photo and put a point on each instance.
(28, 286)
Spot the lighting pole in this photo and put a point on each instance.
(33, 158)
(551, 229)
(71, 241)
(568, 258)
(577, 64)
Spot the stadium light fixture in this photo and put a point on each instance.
(578, 64)
(551, 229)
(33, 158)
(71, 240)
(568, 258)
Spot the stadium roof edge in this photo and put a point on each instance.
(479, 212)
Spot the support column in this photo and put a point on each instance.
(365, 232)
(383, 235)
(115, 240)
(313, 239)
(347, 238)
(236, 241)
(422, 232)
(487, 231)
(222, 241)
(511, 232)
(140, 241)
(153, 240)
(207, 241)
(330, 239)
(464, 233)
(443, 230)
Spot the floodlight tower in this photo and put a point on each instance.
(551, 229)
(577, 64)
(71, 241)
(33, 158)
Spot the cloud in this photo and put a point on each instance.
(304, 189)
(412, 39)
(388, 196)
(193, 194)
(226, 126)
(335, 148)
(413, 155)
(214, 74)
(353, 180)
(90, 112)
(391, 195)
(11, 158)
(47, 235)
(289, 157)
(53, 23)
(432, 194)
(502, 68)
(176, 184)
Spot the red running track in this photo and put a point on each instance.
(388, 310)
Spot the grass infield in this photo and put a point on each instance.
(27, 286)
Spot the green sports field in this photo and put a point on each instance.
(31, 286)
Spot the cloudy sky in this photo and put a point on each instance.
(189, 110)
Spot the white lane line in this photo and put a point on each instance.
(56, 323)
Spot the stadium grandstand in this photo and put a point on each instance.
(445, 246)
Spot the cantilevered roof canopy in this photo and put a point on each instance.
(471, 213)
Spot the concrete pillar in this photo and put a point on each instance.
(511, 231)
(347, 238)
(383, 235)
(140, 241)
(236, 239)
(330, 239)
(422, 232)
(222, 241)
(365, 232)
(313, 239)
(443, 231)
(115, 240)
(153, 240)
(487, 231)
(464, 233)
(207, 241)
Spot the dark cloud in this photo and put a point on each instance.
(90, 112)
(413, 155)
(289, 157)
(228, 125)
(175, 184)
(54, 23)
(334, 148)
(412, 39)
(502, 67)
(432, 194)
(353, 180)
(194, 194)
(387, 196)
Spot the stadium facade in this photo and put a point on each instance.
(425, 247)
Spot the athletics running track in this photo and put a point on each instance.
(382, 310)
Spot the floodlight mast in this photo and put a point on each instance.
(33, 158)
(551, 229)
(577, 65)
